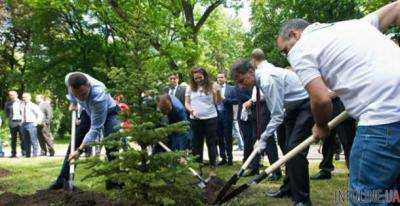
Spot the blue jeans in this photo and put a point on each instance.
(29, 132)
(374, 164)
(178, 141)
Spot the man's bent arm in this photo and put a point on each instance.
(321, 104)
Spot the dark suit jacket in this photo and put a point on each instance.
(180, 93)
(229, 101)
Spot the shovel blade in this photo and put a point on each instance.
(226, 188)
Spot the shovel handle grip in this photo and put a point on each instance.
(306, 143)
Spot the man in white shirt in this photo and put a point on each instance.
(355, 60)
(289, 104)
(31, 117)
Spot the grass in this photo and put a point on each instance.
(29, 175)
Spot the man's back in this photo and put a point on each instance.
(356, 61)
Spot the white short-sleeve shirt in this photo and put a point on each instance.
(357, 62)
(202, 103)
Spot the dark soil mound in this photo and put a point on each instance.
(60, 197)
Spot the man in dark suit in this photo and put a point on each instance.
(175, 89)
(225, 120)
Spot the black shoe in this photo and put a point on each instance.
(223, 162)
(337, 157)
(278, 194)
(110, 185)
(275, 177)
(57, 185)
(230, 162)
(250, 172)
(52, 152)
(305, 203)
(322, 175)
(13, 156)
(43, 154)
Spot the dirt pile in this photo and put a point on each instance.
(60, 197)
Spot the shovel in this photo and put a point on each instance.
(234, 178)
(210, 186)
(299, 148)
(72, 148)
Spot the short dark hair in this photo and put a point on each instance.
(76, 80)
(293, 24)
(240, 67)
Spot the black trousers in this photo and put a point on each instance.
(205, 129)
(298, 123)
(111, 125)
(224, 133)
(345, 131)
(15, 133)
(249, 139)
(271, 149)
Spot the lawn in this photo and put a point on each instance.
(28, 175)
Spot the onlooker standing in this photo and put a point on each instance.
(201, 98)
(225, 120)
(236, 133)
(175, 112)
(12, 109)
(175, 89)
(31, 117)
(1, 140)
(44, 133)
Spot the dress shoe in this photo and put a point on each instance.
(305, 203)
(275, 177)
(278, 194)
(52, 152)
(43, 154)
(223, 162)
(57, 185)
(13, 156)
(250, 172)
(337, 157)
(230, 162)
(322, 175)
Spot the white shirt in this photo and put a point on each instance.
(357, 62)
(280, 86)
(16, 108)
(203, 104)
(172, 91)
(31, 113)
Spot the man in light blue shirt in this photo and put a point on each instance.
(101, 117)
(289, 104)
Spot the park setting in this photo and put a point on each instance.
(199, 102)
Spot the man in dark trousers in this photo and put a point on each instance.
(289, 104)
(13, 112)
(175, 112)
(44, 134)
(247, 127)
(345, 131)
(225, 120)
(101, 111)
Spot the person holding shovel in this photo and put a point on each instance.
(355, 60)
(289, 105)
(101, 111)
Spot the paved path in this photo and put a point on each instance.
(313, 154)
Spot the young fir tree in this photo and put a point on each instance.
(158, 179)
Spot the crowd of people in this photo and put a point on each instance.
(333, 69)
(30, 123)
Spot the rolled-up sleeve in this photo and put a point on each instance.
(98, 117)
(304, 62)
(273, 89)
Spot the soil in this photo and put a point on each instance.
(59, 197)
(4, 173)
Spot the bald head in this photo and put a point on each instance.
(257, 56)
(13, 95)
